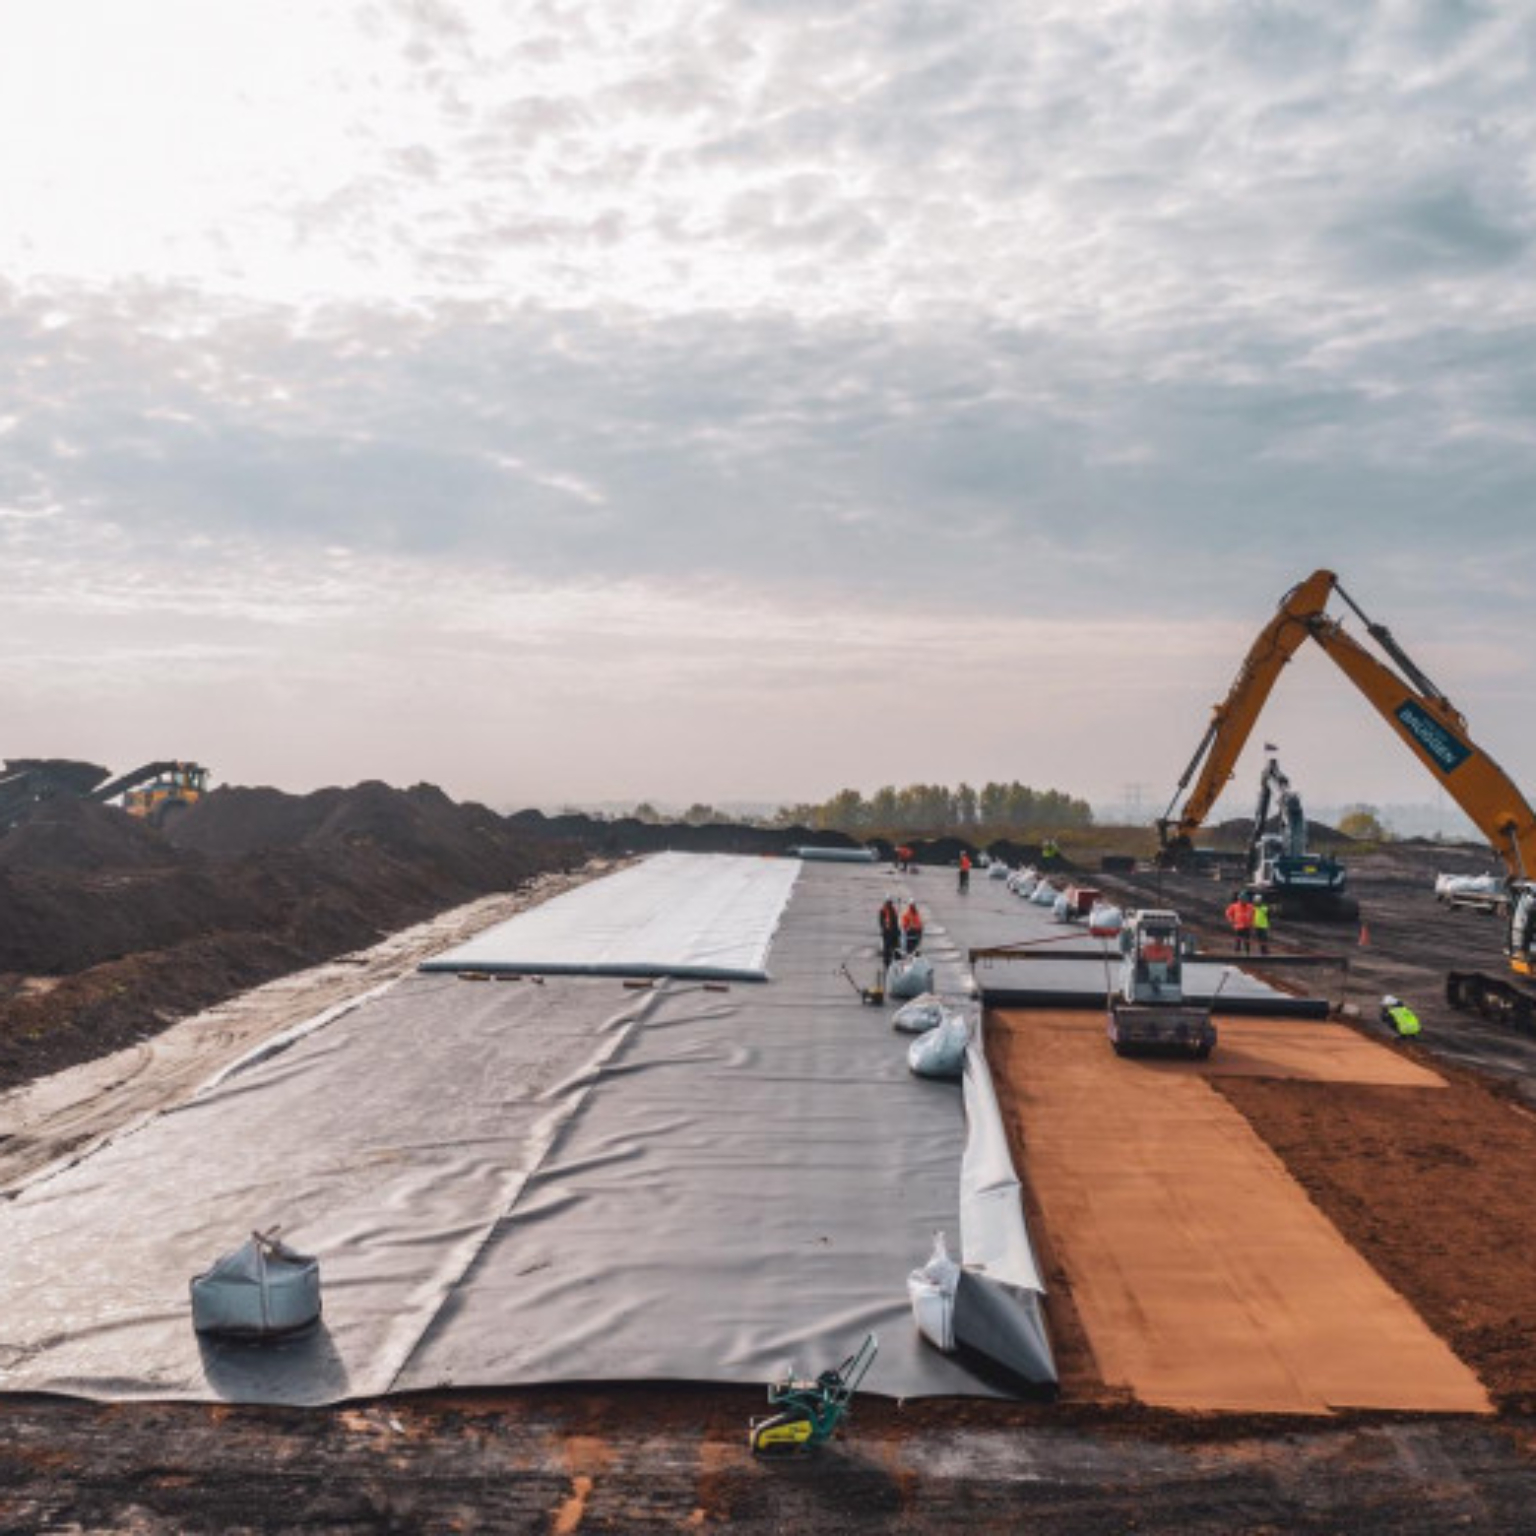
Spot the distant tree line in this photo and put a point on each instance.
(697, 815)
(936, 808)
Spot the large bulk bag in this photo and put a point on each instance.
(941, 1052)
(909, 976)
(1105, 921)
(920, 1015)
(931, 1290)
(263, 1290)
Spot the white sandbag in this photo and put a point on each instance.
(941, 1052)
(920, 1015)
(1044, 894)
(909, 976)
(1026, 885)
(1470, 885)
(1061, 908)
(997, 871)
(932, 1292)
(1105, 921)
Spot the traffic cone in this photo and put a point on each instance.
(1365, 936)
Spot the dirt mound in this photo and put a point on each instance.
(247, 884)
(80, 835)
(1238, 833)
(627, 835)
(69, 774)
(417, 824)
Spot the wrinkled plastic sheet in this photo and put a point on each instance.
(707, 916)
(754, 1183)
(508, 1183)
(1065, 967)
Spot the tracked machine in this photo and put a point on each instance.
(1148, 1015)
(1427, 723)
(1293, 879)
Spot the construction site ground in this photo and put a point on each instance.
(1417, 1162)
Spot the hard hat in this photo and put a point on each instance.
(1391, 1002)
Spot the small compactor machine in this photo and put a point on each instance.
(1147, 1013)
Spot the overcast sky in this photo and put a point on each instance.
(562, 400)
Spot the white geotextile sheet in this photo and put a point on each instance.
(705, 915)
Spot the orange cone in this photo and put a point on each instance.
(1365, 937)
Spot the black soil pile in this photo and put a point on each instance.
(626, 835)
(110, 929)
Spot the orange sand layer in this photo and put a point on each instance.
(1205, 1277)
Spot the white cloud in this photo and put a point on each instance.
(1056, 318)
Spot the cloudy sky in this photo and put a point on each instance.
(560, 400)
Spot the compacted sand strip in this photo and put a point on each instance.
(1205, 1277)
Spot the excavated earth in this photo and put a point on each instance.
(111, 931)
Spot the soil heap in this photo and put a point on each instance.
(110, 929)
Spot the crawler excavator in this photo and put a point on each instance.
(1289, 875)
(1431, 727)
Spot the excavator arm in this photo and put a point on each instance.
(1427, 722)
(1421, 715)
(1232, 720)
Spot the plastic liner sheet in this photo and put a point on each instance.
(749, 1183)
(386, 1143)
(998, 1313)
(710, 916)
(507, 1183)
(1081, 970)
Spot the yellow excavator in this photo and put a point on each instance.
(1427, 723)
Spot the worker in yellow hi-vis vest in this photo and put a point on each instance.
(1399, 1017)
(1261, 923)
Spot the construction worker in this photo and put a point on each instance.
(1049, 850)
(1399, 1017)
(890, 932)
(965, 871)
(912, 928)
(1261, 922)
(1240, 920)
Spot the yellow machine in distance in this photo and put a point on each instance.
(157, 790)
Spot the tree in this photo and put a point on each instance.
(1364, 825)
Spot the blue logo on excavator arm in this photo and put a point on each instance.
(1444, 750)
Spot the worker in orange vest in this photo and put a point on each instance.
(1240, 918)
(912, 928)
(965, 871)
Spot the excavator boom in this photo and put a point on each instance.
(1436, 733)
(1421, 715)
(1232, 720)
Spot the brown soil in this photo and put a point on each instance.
(128, 928)
(1434, 1189)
